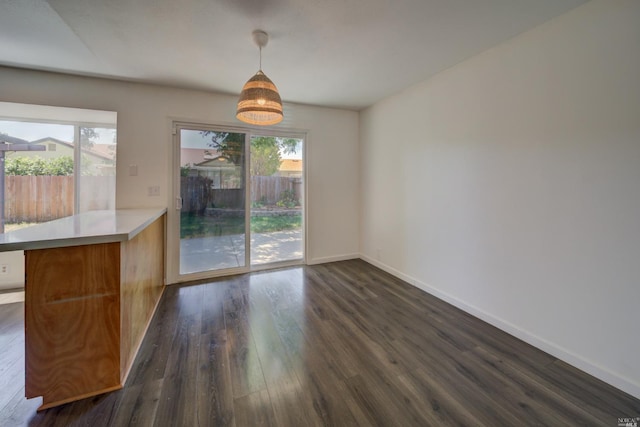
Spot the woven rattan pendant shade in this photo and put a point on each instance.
(259, 102)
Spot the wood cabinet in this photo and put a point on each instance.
(87, 308)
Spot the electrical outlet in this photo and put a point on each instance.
(4, 268)
(153, 190)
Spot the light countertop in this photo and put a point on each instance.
(87, 228)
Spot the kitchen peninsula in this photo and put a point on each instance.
(92, 283)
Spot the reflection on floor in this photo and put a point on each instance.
(219, 252)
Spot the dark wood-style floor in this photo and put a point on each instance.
(334, 344)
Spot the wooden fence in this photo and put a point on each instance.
(269, 189)
(45, 198)
(198, 194)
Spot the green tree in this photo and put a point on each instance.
(231, 145)
(228, 144)
(87, 135)
(59, 166)
(39, 166)
(265, 156)
(288, 145)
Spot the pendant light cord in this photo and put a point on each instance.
(260, 58)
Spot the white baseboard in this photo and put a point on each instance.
(10, 287)
(325, 260)
(553, 349)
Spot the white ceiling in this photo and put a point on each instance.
(338, 53)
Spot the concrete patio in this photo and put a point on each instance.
(219, 252)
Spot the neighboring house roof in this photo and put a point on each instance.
(12, 144)
(98, 150)
(12, 140)
(290, 165)
(217, 162)
(193, 156)
(107, 150)
(55, 140)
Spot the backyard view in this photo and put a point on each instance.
(213, 189)
(193, 226)
(51, 170)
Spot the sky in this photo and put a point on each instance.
(34, 131)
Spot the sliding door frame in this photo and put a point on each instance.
(173, 215)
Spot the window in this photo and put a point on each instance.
(54, 162)
(57, 162)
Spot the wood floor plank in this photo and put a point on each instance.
(254, 410)
(151, 361)
(469, 393)
(384, 402)
(12, 371)
(291, 404)
(517, 398)
(214, 394)
(274, 361)
(16, 410)
(178, 395)
(11, 316)
(317, 365)
(360, 336)
(533, 391)
(313, 348)
(338, 344)
(329, 398)
(96, 411)
(213, 308)
(284, 288)
(585, 390)
(353, 285)
(246, 372)
(439, 407)
(375, 409)
(462, 378)
(235, 297)
(139, 404)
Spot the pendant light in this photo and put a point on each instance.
(259, 102)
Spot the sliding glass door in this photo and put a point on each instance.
(239, 201)
(212, 200)
(277, 201)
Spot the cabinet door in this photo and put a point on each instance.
(72, 322)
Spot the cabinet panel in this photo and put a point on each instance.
(72, 321)
(142, 284)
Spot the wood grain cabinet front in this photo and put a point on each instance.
(87, 308)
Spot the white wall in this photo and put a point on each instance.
(510, 186)
(14, 276)
(144, 139)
